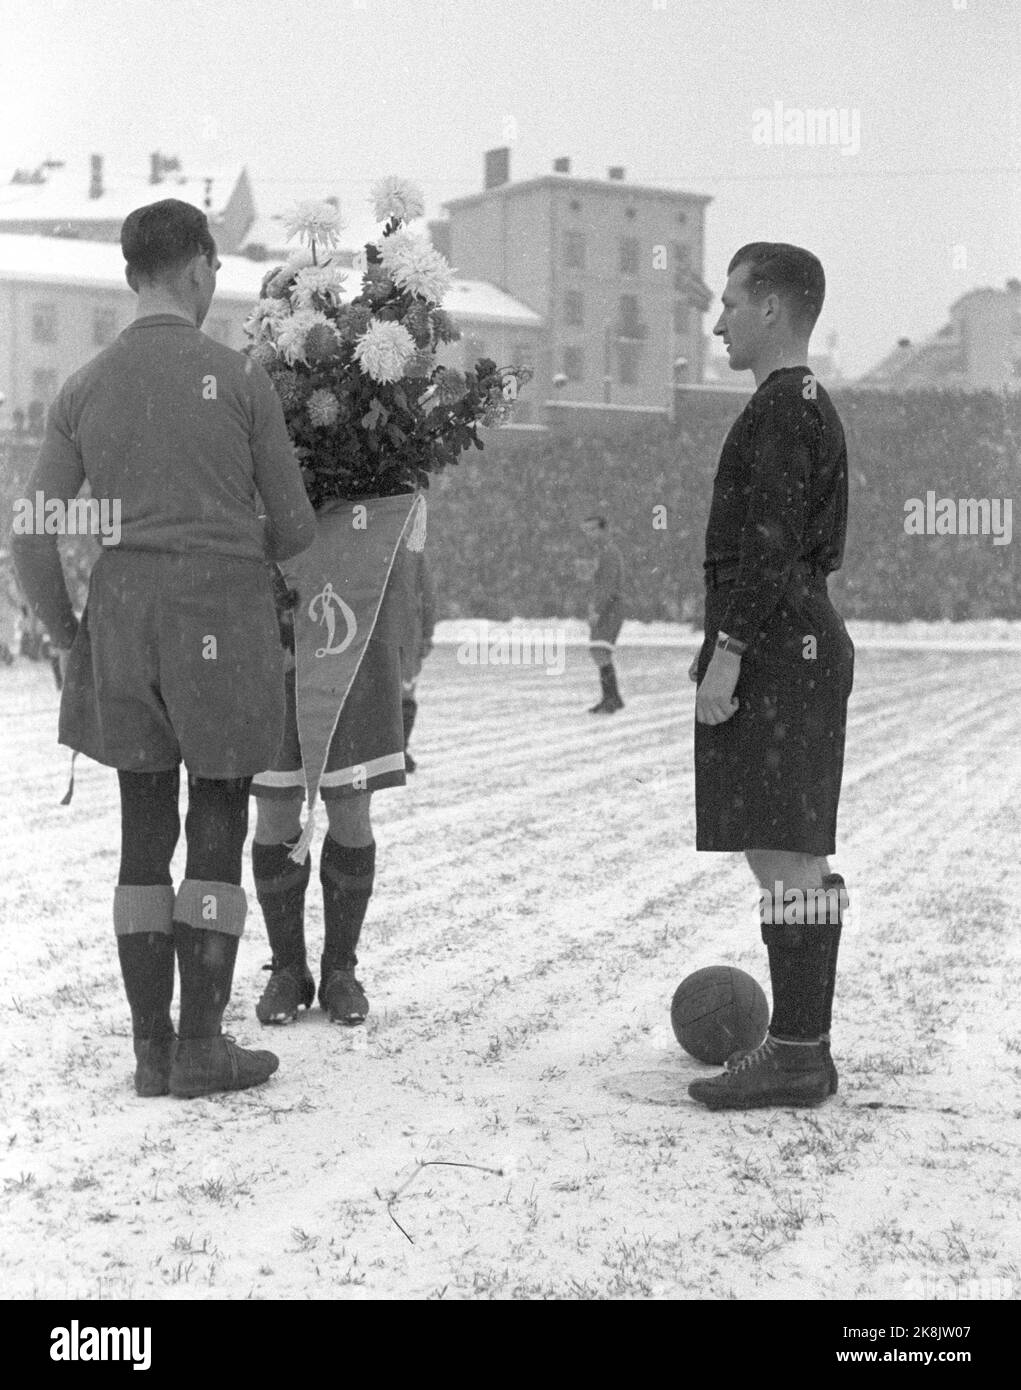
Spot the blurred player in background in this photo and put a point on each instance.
(606, 610)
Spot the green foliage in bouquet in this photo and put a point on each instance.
(370, 410)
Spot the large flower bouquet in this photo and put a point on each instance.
(368, 406)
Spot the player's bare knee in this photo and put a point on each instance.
(277, 819)
(350, 819)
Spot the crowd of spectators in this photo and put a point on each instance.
(504, 532)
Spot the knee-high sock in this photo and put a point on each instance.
(610, 684)
(799, 957)
(346, 873)
(280, 886)
(833, 883)
(409, 708)
(142, 917)
(209, 919)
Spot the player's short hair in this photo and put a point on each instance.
(598, 519)
(791, 272)
(161, 237)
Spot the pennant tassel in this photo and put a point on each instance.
(66, 798)
(304, 844)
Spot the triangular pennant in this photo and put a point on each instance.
(340, 580)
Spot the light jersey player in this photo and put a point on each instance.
(776, 668)
(177, 656)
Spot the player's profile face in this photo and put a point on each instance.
(740, 321)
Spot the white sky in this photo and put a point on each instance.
(324, 97)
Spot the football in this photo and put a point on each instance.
(718, 1010)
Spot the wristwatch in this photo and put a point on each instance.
(730, 644)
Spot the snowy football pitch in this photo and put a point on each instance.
(538, 899)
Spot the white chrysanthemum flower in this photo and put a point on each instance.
(262, 321)
(292, 332)
(323, 408)
(326, 280)
(413, 265)
(315, 222)
(396, 197)
(383, 349)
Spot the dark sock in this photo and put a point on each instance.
(409, 708)
(798, 969)
(612, 693)
(604, 682)
(346, 873)
(280, 885)
(147, 967)
(206, 962)
(832, 882)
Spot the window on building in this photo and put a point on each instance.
(522, 354)
(630, 316)
(574, 250)
(629, 255)
(104, 326)
(682, 317)
(627, 361)
(574, 364)
(680, 254)
(574, 309)
(218, 329)
(44, 323)
(44, 385)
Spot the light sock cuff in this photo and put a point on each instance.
(143, 908)
(211, 906)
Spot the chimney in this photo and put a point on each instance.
(155, 167)
(497, 167)
(903, 342)
(96, 176)
(562, 165)
(616, 171)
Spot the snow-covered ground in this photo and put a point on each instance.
(538, 900)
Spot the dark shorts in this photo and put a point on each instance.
(177, 658)
(367, 749)
(606, 628)
(769, 778)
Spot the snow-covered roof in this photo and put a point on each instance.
(65, 194)
(100, 265)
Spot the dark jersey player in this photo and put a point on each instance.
(776, 668)
(177, 655)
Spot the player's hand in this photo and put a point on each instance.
(715, 702)
(693, 669)
(593, 615)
